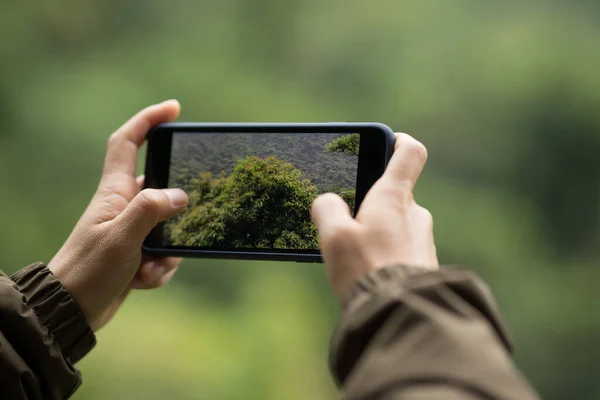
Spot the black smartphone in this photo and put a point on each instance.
(251, 186)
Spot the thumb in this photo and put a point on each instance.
(148, 209)
(331, 213)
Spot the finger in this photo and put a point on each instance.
(407, 162)
(123, 145)
(138, 284)
(140, 182)
(331, 213)
(146, 210)
(155, 272)
(394, 190)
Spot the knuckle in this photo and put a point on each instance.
(398, 191)
(411, 146)
(417, 150)
(113, 140)
(148, 199)
(425, 214)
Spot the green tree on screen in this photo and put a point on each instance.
(349, 196)
(346, 144)
(264, 203)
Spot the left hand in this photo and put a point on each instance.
(102, 260)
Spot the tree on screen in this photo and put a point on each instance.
(264, 203)
(349, 196)
(348, 145)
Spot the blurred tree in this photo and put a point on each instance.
(553, 170)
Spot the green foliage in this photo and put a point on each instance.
(264, 203)
(349, 196)
(348, 145)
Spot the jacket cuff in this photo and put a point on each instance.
(386, 279)
(392, 281)
(57, 310)
(377, 294)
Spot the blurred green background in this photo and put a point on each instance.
(506, 95)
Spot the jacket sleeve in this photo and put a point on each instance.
(409, 334)
(42, 334)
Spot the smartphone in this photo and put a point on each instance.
(251, 186)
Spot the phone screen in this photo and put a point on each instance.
(255, 190)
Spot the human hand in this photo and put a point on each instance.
(102, 258)
(389, 229)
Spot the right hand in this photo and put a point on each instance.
(389, 229)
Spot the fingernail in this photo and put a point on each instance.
(158, 273)
(177, 197)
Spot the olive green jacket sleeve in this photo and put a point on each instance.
(409, 334)
(43, 333)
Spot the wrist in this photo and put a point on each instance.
(62, 270)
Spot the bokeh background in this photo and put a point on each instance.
(506, 95)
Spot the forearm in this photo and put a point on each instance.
(42, 335)
(405, 333)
